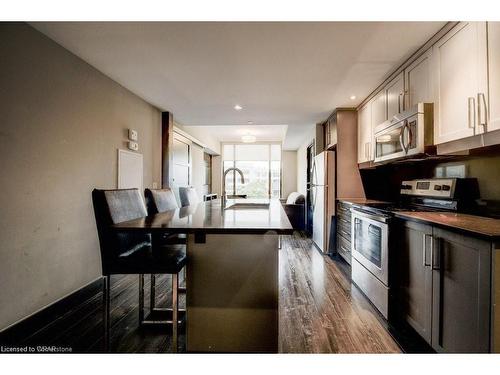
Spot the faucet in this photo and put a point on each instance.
(224, 195)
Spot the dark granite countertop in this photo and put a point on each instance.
(359, 201)
(208, 217)
(476, 225)
(483, 226)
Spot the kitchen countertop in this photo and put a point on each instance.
(208, 217)
(478, 225)
(359, 201)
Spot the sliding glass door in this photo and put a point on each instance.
(261, 166)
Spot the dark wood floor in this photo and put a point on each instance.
(320, 312)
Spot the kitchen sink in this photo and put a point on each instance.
(247, 205)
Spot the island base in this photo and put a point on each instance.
(232, 293)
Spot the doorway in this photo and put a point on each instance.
(309, 197)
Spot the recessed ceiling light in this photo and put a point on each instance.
(352, 97)
(248, 138)
(238, 107)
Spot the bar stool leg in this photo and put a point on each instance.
(152, 296)
(141, 298)
(106, 302)
(175, 306)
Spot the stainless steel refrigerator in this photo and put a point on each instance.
(323, 198)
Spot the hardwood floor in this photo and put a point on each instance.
(320, 312)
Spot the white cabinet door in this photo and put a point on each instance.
(494, 75)
(364, 133)
(379, 109)
(394, 92)
(459, 74)
(418, 81)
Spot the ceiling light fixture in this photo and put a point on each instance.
(250, 122)
(248, 138)
(352, 97)
(238, 107)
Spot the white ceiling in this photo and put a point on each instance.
(231, 133)
(292, 73)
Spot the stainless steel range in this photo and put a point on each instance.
(371, 227)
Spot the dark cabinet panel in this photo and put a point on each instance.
(331, 131)
(344, 231)
(461, 293)
(415, 280)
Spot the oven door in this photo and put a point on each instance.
(389, 142)
(369, 243)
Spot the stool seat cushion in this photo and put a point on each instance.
(145, 259)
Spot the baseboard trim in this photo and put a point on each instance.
(19, 331)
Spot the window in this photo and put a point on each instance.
(261, 166)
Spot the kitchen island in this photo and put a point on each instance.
(232, 271)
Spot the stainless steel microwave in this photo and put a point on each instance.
(407, 134)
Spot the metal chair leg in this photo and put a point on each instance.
(141, 298)
(152, 295)
(175, 306)
(106, 294)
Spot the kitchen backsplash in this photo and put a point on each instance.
(384, 181)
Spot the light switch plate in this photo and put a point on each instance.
(132, 135)
(133, 145)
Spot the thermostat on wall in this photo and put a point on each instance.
(133, 145)
(132, 134)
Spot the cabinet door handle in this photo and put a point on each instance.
(424, 248)
(401, 107)
(481, 99)
(471, 113)
(436, 253)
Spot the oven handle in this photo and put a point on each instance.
(379, 218)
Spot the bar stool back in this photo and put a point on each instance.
(132, 252)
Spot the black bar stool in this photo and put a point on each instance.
(188, 196)
(158, 201)
(133, 252)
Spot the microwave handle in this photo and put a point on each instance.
(401, 138)
(410, 137)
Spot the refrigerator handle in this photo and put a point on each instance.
(313, 174)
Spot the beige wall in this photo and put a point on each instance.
(61, 125)
(289, 168)
(203, 135)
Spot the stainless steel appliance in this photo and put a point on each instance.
(407, 134)
(370, 248)
(323, 197)
(371, 227)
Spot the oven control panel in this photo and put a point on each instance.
(442, 187)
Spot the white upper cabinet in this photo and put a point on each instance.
(378, 109)
(459, 76)
(494, 76)
(364, 133)
(394, 92)
(418, 81)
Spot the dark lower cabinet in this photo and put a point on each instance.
(344, 231)
(415, 284)
(444, 288)
(461, 293)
